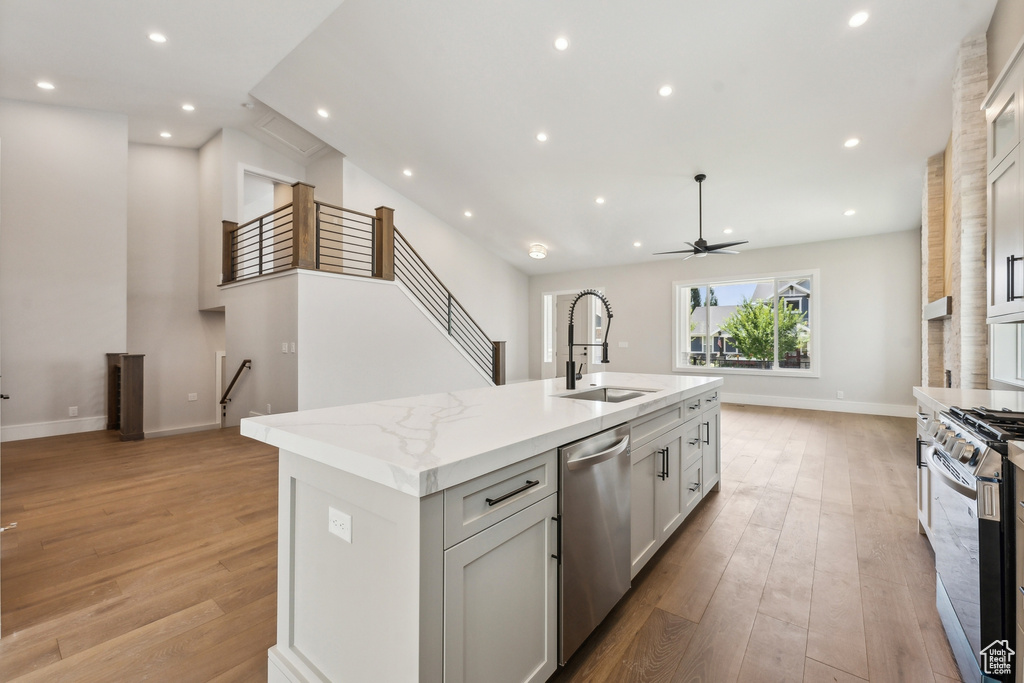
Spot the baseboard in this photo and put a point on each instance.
(37, 430)
(836, 406)
(182, 430)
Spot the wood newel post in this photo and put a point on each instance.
(303, 227)
(384, 244)
(498, 363)
(227, 265)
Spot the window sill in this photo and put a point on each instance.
(704, 370)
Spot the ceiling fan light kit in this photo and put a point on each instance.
(701, 248)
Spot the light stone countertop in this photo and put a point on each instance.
(423, 444)
(938, 398)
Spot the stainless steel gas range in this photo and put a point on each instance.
(971, 528)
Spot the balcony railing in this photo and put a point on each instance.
(318, 236)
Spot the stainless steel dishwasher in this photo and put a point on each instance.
(594, 503)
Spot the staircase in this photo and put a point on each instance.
(314, 235)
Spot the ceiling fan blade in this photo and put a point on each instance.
(723, 245)
(690, 256)
(681, 251)
(693, 246)
(722, 251)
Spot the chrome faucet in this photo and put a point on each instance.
(570, 365)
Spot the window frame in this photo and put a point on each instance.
(680, 298)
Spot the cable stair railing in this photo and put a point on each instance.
(319, 236)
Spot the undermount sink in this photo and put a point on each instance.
(608, 394)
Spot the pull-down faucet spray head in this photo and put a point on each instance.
(570, 365)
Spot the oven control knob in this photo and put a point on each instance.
(956, 447)
(968, 453)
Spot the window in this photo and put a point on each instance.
(758, 326)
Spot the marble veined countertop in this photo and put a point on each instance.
(939, 398)
(423, 444)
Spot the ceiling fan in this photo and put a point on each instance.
(701, 246)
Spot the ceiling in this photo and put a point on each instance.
(764, 97)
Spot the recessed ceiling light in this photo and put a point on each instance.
(468, 214)
(728, 231)
(636, 244)
(542, 137)
(665, 90)
(158, 37)
(849, 212)
(165, 134)
(407, 172)
(561, 43)
(188, 107)
(858, 19)
(323, 113)
(45, 85)
(852, 142)
(538, 251)
(599, 200)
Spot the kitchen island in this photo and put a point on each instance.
(418, 537)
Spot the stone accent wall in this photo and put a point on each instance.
(970, 84)
(933, 216)
(964, 335)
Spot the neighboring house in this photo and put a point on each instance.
(723, 352)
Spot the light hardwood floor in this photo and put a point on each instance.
(157, 561)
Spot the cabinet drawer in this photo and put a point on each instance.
(692, 486)
(692, 439)
(477, 504)
(654, 425)
(709, 400)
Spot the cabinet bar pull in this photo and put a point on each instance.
(528, 485)
(663, 452)
(1010, 285)
(707, 439)
(557, 519)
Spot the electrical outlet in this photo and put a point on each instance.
(293, 347)
(340, 524)
(193, 397)
(623, 345)
(72, 411)
(284, 347)
(839, 394)
(269, 411)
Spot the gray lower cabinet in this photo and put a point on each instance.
(676, 461)
(711, 453)
(500, 600)
(659, 499)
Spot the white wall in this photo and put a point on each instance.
(179, 341)
(63, 253)
(223, 161)
(493, 291)
(327, 175)
(260, 316)
(365, 340)
(870, 309)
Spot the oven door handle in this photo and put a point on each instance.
(937, 468)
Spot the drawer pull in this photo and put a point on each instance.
(528, 485)
(693, 406)
(694, 442)
(1021, 589)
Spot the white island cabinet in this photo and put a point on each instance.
(418, 537)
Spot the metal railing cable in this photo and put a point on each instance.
(344, 240)
(420, 280)
(263, 245)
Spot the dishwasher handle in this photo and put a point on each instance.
(588, 460)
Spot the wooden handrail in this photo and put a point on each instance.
(247, 363)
